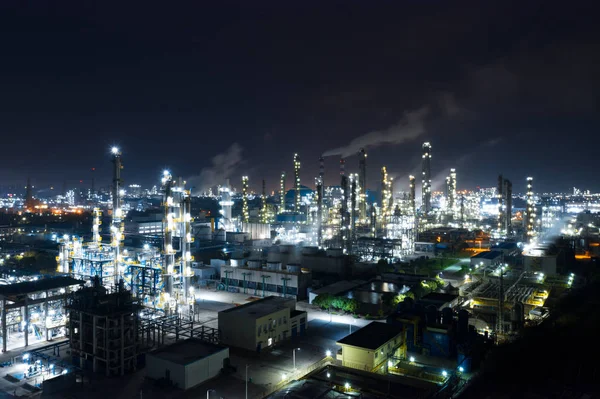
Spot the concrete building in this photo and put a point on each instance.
(250, 277)
(187, 363)
(487, 258)
(371, 347)
(262, 323)
(541, 259)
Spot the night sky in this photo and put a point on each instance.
(496, 86)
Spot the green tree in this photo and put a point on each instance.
(324, 301)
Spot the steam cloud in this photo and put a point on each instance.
(223, 167)
(409, 128)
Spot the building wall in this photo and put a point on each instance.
(275, 326)
(205, 369)
(544, 264)
(367, 359)
(156, 369)
(237, 330)
(296, 285)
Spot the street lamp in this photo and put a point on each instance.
(294, 356)
(247, 380)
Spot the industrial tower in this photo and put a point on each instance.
(362, 182)
(426, 178)
(452, 200)
(296, 183)
(245, 213)
(386, 197)
(411, 197)
(264, 214)
(320, 192)
(117, 227)
(282, 193)
(530, 212)
(508, 211)
(500, 196)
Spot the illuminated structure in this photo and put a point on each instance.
(452, 200)
(386, 196)
(508, 207)
(296, 183)
(282, 193)
(412, 193)
(426, 179)
(362, 182)
(320, 192)
(530, 212)
(500, 196)
(117, 226)
(226, 203)
(245, 214)
(264, 213)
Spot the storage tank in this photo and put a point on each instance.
(253, 263)
(293, 268)
(310, 250)
(273, 265)
(334, 252)
(286, 248)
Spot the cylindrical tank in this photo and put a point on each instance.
(273, 265)
(253, 263)
(310, 250)
(447, 316)
(293, 268)
(286, 248)
(334, 252)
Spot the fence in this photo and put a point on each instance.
(298, 374)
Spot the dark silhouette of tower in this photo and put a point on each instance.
(426, 178)
(29, 195)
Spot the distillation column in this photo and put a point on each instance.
(500, 196)
(530, 213)
(296, 183)
(116, 227)
(282, 193)
(362, 183)
(169, 228)
(320, 193)
(245, 213)
(426, 178)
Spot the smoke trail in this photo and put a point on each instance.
(223, 166)
(409, 128)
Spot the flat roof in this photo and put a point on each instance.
(44, 284)
(187, 351)
(439, 297)
(487, 255)
(338, 287)
(371, 336)
(261, 307)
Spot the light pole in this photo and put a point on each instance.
(208, 391)
(294, 356)
(247, 380)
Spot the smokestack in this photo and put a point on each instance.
(297, 183)
(342, 166)
(426, 178)
(362, 182)
(28, 195)
(282, 193)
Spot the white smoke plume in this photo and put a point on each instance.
(409, 128)
(223, 166)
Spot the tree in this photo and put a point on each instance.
(323, 301)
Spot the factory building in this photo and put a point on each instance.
(252, 277)
(262, 323)
(187, 363)
(487, 258)
(371, 347)
(542, 260)
(34, 310)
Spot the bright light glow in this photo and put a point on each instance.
(412, 359)
(146, 246)
(328, 353)
(283, 377)
(115, 150)
(328, 375)
(390, 364)
(347, 385)
(166, 173)
(26, 356)
(461, 369)
(445, 373)
(52, 366)
(64, 371)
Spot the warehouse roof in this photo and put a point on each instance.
(338, 287)
(487, 255)
(261, 307)
(44, 284)
(187, 351)
(371, 336)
